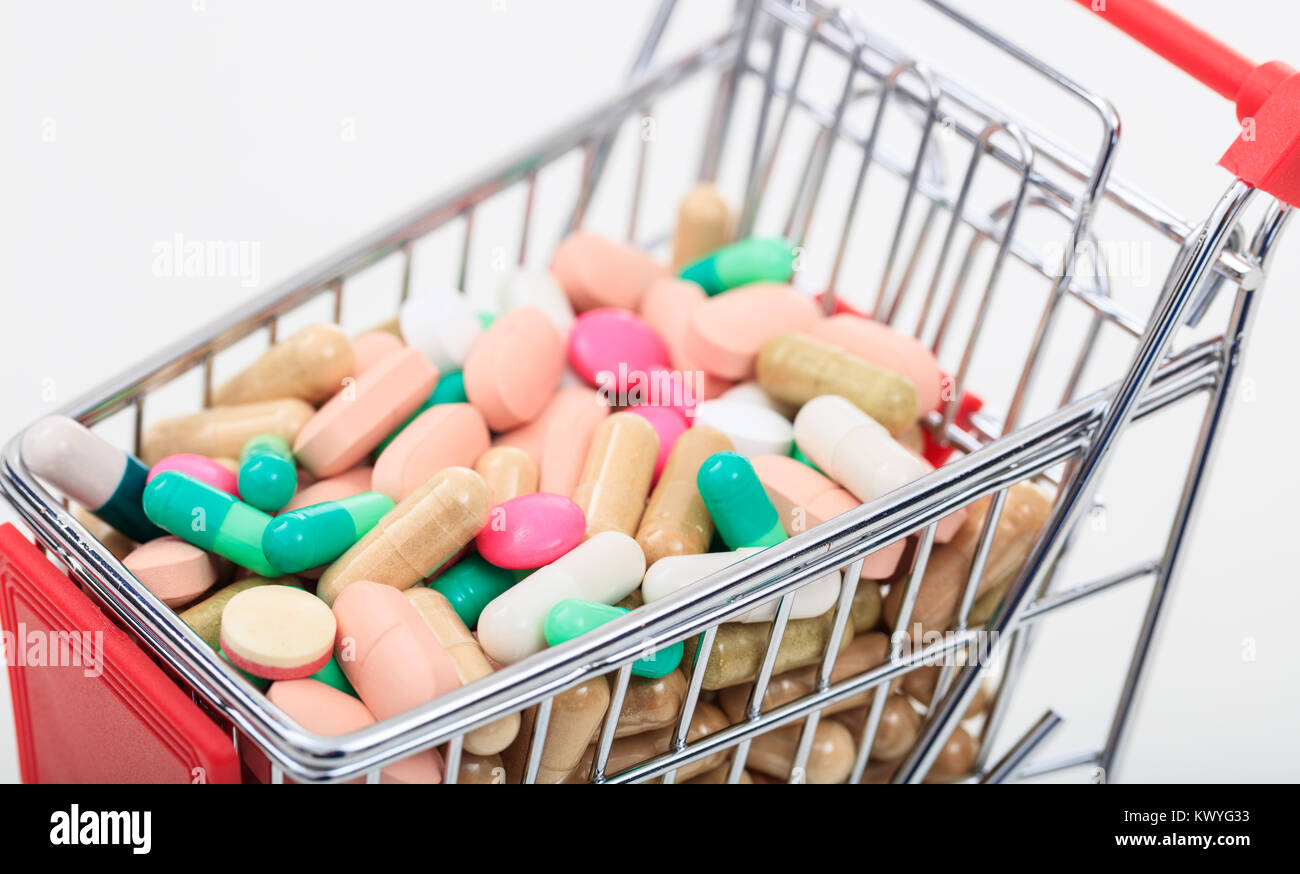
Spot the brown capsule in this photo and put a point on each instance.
(920, 683)
(739, 646)
(630, 751)
(796, 368)
(426, 528)
(576, 716)
(955, 760)
(704, 225)
(651, 703)
(508, 471)
(830, 758)
(899, 727)
(221, 432)
(481, 770)
(616, 476)
(310, 365)
(717, 775)
(205, 616)
(676, 522)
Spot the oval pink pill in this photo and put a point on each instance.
(668, 424)
(615, 341)
(208, 470)
(531, 531)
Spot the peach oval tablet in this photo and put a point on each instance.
(558, 440)
(277, 632)
(727, 331)
(325, 710)
(445, 435)
(175, 571)
(335, 488)
(882, 345)
(514, 367)
(388, 652)
(595, 271)
(356, 419)
(372, 347)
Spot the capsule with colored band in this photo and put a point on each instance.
(91, 471)
(313, 536)
(741, 510)
(470, 585)
(754, 259)
(209, 518)
(574, 617)
(268, 475)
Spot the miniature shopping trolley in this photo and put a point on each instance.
(950, 214)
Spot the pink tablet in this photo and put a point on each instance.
(595, 271)
(209, 470)
(372, 347)
(345, 485)
(513, 368)
(355, 420)
(176, 571)
(609, 346)
(445, 435)
(881, 344)
(727, 331)
(558, 440)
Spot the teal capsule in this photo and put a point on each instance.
(261, 684)
(209, 518)
(470, 584)
(572, 618)
(449, 390)
(486, 319)
(268, 475)
(797, 454)
(754, 259)
(332, 675)
(312, 536)
(741, 510)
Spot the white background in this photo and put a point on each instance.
(302, 125)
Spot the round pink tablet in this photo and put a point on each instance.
(176, 571)
(727, 331)
(387, 650)
(595, 271)
(277, 632)
(208, 470)
(609, 342)
(359, 417)
(335, 488)
(445, 435)
(372, 347)
(325, 710)
(668, 424)
(559, 439)
(531, 531)
(882, 345)
(513, 368)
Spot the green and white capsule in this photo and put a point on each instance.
(209, 518)
(753, 259)
(268, 475)
(313, 536)
(574, 617)
(91, 471)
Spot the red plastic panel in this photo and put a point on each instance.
(105, 713)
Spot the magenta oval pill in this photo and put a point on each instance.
(615, 341)
(668, 424)
(208, 470)
(531, 530)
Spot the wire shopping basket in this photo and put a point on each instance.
(914, 200)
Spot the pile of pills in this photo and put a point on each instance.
(360, 525)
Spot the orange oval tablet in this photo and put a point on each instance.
(513, 368)
(335, 488)
(559, 439)
(176, 571)
(445, 435)
(882, 345)
(372, 347)
(595, 271)
(727, 331)
(356, 419)
(387, 650)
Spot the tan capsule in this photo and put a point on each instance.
(676, 522)
(920, 683)
(205, 616)
(576, 715)
(719, 775)
(310, 365)
(899, 727)
(508, 471)
(830, 758)
(481, 770)
(628, 752)
(865, 611)
(956, 758)
(796, 368)
(426, 528)
(739, 646)
(651, 703)
(1023, 516)
(704, 225)
(864, 653)
(470, 663)
(616, 476)
(221, 432)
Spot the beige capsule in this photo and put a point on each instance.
(676, 522)
(205, 616)
(576, 715)
(508, 471)
(651, 703)
(865, 652)
(739, 646)
(481, 770)
(310, 365)
(221, 432)
(796, 368)
(470, 663)
(426, 528)
(704, 224)
(628, 752)
(616, 476)
(830, 757)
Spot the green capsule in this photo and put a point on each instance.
(313, 536)
(754, 259)
(470, 584)
(741, 510)
(573, 617)
(797, 454)
(209, 518)
(486, 319)
(268, 475)
(332, 675)
(261, 684)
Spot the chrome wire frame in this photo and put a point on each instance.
(1076, 437)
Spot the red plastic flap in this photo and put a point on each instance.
(89, 705)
